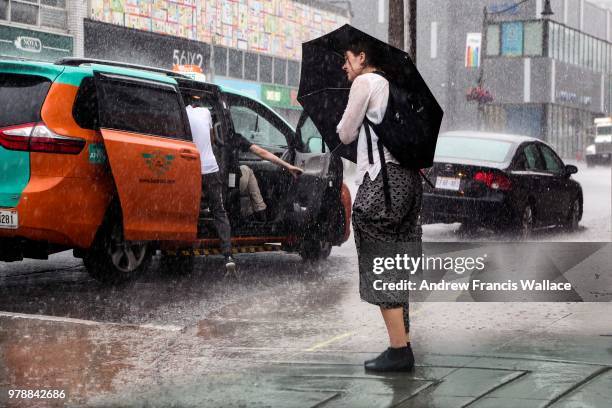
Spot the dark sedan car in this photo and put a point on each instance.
(507, 182)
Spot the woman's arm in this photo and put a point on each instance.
(355, 111)
(266, 155)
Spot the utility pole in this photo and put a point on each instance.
(403, 27)
(412, 30)
(396, 23)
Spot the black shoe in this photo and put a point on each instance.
(392, 359)
(260, 216)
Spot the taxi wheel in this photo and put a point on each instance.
(315, 250)
(112, 259)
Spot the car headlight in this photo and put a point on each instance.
(591, 149)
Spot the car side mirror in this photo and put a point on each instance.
(315, 145)
(570, 169)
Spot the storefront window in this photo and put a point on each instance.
(250, 64)
(265, 69)
(220, 61)
(235, 63)
(280, 71)
(293, 73)
(533, 38)
(493, 40)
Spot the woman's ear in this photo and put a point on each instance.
(362, 59)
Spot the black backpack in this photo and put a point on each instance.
(403, 131)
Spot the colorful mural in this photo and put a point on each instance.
(276, 27)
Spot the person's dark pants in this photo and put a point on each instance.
(212, 190)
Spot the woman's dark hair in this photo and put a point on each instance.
(372, 52)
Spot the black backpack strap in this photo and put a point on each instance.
(367, 124)
(426, 179)
(385, 175)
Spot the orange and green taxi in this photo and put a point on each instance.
(98, 157)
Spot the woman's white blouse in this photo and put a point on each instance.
(368, 96)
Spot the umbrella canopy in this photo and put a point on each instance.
(324, 88)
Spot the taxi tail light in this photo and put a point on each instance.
(493, 180)
(36, 137)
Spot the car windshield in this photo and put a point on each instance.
(472, 148)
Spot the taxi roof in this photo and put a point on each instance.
(73, 74)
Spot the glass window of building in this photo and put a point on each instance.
(293, 73)
(493, 40)
(235, 63)
(52, 17)
(24, 13)
(554, 38)
(561, 42)
(250, 66)
(220, 60)
(566, 43)
(48, 13)
(581, 49)
(3, 9)
(599, 52)
(573, 47)
(280, 71)
(589, 52)
(265, 69)
(595, 55)
(512, 39)
(533, 38)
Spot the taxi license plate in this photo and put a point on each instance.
(9, 219)
(448, 183)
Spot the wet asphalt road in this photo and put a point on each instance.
(290, 334)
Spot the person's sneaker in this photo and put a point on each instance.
(230, 265)
(392, 359)
(260, 216)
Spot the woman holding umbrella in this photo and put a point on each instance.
(374, 219)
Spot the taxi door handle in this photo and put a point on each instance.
(188, 154)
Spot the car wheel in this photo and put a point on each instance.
(573, 218)
(315, 250)
(177, 265)
(525, 222)
(590, 163)
(112, 259)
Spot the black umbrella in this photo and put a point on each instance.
(324, 88)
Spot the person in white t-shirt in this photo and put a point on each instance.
(374, 221)
(200, 121)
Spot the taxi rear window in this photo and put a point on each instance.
(21, 98)
(139, 108)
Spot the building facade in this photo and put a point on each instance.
(251, 45)
(35, 29)
(548, 78)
